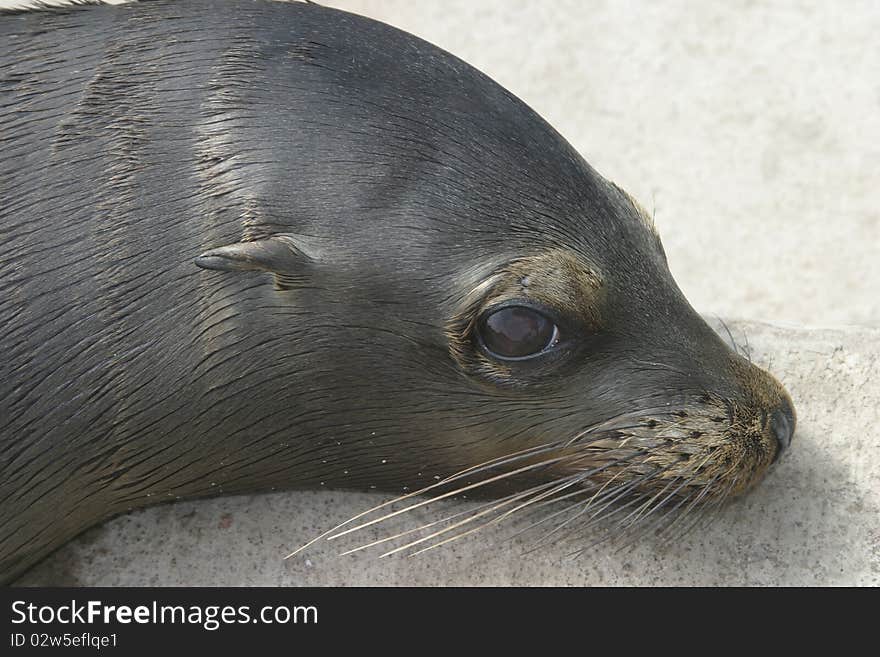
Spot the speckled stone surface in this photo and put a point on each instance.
(814, 520)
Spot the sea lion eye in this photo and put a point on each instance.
(517, 332)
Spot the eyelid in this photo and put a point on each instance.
(523, 302)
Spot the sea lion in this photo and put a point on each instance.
(251, 245)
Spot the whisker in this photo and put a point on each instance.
(599, 517)
(639, 525)
(690, 480)
(428, 525)
(494, 521)
(596, 520)
(705, 491)
(748, 349)
(712, 515)
(555, 487)
(582, 476)
(452, 493)
(639, 511)
(614, 494)
(558, 486)
(709, 515)
(729, 335)
(703, 508)
(550, 516)
(670, 514)
(498, 461)
(466, 521)
(581, 507)
(698, 517)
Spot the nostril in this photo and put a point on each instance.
(782, 423)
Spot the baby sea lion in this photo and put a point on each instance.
(251, 245)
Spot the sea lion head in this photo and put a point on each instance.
(459, 297)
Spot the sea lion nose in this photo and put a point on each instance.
(782, 424)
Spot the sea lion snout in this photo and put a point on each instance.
(759, 415)
(759, 395)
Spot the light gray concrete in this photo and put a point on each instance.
(814, 520)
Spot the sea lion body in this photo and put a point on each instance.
(361, 193)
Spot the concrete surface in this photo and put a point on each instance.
(814, 520)
(752, 129)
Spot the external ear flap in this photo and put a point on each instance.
(279, 255)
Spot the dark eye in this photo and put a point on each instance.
(517, 332)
